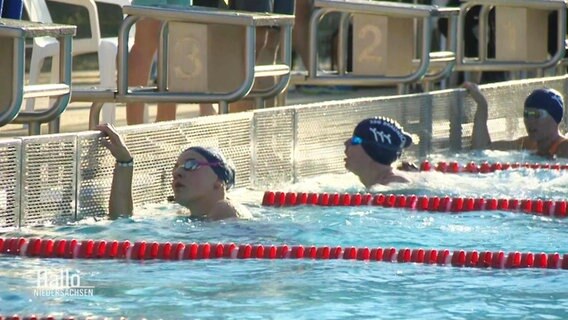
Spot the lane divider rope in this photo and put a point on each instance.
(448, 204)
(142, 250)
(34, 317)
(50, 317)
(485, 167)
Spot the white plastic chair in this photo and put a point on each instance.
(45, 47)
(108, 49)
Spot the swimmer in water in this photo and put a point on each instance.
(375, 145)
(542, 115)
(201, 178)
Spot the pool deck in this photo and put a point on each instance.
(76, 117)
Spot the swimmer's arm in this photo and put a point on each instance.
(480, 138)
(120, 202)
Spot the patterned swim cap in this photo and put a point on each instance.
(382, 139)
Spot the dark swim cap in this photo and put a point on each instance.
(224, 170)
(549, 100)
(382, 139)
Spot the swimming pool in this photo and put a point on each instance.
(307, 289)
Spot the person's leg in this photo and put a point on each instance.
(300, 39)
(267, 40)
(207, 109)
(269, 55)
(139, 61)
(166, 112)
(261, 53)
(241, 105)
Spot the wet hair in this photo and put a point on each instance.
(383, 139)
(224, 171)
(549, 100)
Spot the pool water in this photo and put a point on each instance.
(308, 289)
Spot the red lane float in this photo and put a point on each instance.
(33, 317)
(420, 203)
(485, 167)
(142, 250)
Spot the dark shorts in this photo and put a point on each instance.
(272, 6)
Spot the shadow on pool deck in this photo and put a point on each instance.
(76, 117)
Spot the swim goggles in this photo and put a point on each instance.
(355, 141)
(192, 164)
(534, 114)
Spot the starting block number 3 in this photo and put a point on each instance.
(205, 57)
(188, 48)
(187, 56)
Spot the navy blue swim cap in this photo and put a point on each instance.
(549, 100)
(382, 139)
(224, 170)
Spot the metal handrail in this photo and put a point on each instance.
(20, 30)
(200, 15)
(450, 63)
(482, 63)
(286, 54)
(424, 13)
(65, 45)
(379, 7)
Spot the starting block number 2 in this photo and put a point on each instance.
(382, 45)
(373, 37)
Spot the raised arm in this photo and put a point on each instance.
(480, 138)
(120, 202)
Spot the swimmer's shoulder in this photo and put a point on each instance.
(227, 209)
(562, 148)
(401, 176)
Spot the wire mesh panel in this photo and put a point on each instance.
(273, 142)
(155, 149)
(445, 116)
(94, 176)
(267, 147)
(416, 118)
(10, 182)
(48, 179)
